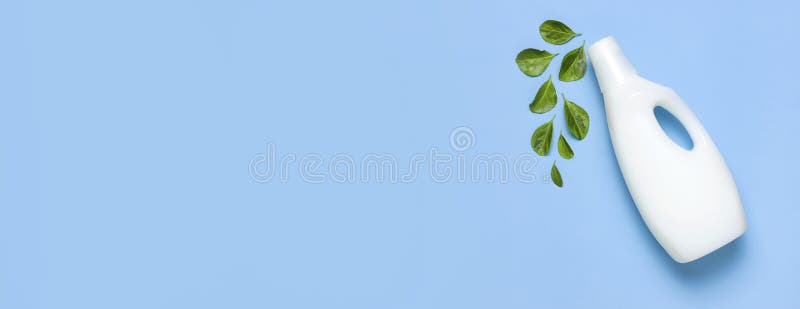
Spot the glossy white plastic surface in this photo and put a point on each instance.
(687, 198)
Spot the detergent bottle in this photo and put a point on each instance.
(687, 197)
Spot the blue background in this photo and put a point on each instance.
(127, 128)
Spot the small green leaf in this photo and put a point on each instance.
(545, 99)
(577, 119)
(563, 147)
(573, 66)
(555, 175)
(533, 62)
(542, 137)
(556, 32)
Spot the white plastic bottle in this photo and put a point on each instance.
(687, 198)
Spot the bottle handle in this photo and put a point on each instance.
(671, 102)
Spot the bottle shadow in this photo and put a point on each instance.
(703, 271)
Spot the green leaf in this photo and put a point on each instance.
(577, 119)
(556, 32)
(533, 62)
(555, 175)
(563, 147)
(545, 99)
(542, 137)
(573, 66)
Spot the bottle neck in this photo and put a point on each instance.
(610, 65)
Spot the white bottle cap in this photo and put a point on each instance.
(609, 63)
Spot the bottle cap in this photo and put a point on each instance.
(610, 65)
